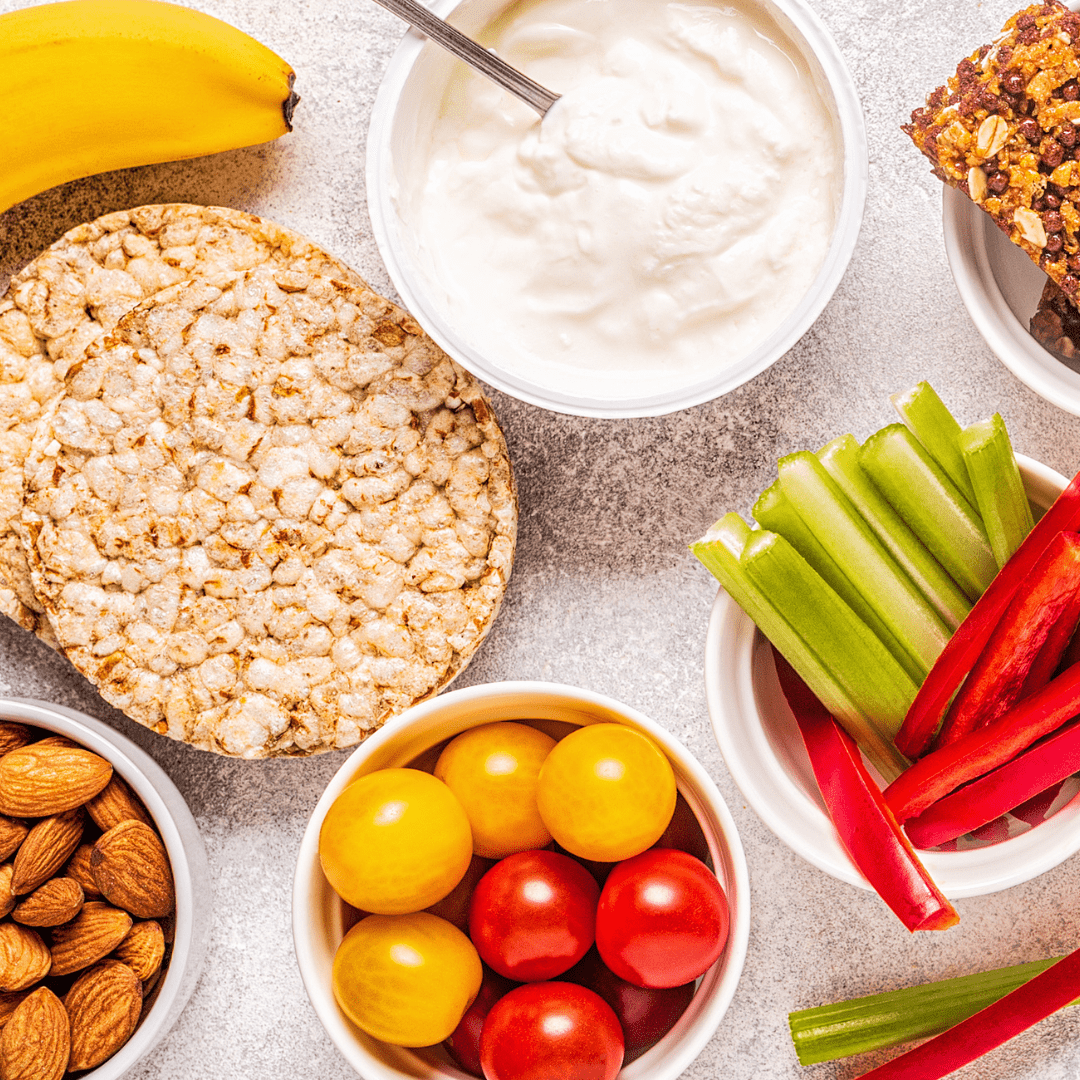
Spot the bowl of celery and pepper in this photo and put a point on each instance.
(883, 573)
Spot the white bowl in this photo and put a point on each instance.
(318, 912)
(764, 752)
(405, 108)
(1000, 287)
(191, 871)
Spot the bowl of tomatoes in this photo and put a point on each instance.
(521, 880)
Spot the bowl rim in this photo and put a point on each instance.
(964, 227)
(309, 881)
(396, 256)
(801, 822)
(187, 857)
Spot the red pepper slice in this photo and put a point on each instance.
(1054, 653)
(964, 647)
(1036, 769)
(867, 829)
(1014, 647)
(934, 776)
(1037, 999)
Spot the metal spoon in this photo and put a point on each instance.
(487, 63)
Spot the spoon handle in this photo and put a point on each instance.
(487, 63)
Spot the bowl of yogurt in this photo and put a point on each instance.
(674, 224)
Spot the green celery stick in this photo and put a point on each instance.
(999, 491)
(776, 512)
(847, 537)
(876, 1022)
(936, 428)
(841, 461)
(933, 508)
(844, 644)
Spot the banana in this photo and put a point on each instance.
(94, 85)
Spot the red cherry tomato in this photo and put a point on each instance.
(533, 915)
(684, 832)
(551, 1031)
(464, 1043)
(644, 1015)
(662, 919)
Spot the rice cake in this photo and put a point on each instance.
(74, 293)
(269, 513)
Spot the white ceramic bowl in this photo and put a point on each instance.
(405, 108)
(318, 912)
(191, 871)
(764, 752)
(1000, 287)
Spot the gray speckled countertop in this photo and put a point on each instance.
(604, 594)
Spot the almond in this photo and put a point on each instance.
(143, 949)
(12, 834)
(79, 870)
(10, 1002)
(7, 897)
(13, 735)
(89, 937)
(24, 958)
(57, 740)
(104, 1005)
(37, 780)
(36, 1042)
(57, 901)
(48, 845)
(116, 802)
(131, 868)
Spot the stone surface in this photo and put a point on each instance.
(604, 594)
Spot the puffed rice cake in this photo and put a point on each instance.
(75, 292)
(268, 513)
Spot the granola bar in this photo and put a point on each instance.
(1004, 130)
(1056, 323)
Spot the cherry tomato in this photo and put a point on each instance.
(464, 1042)
(454, 907)
(492, 769)
(406, 979)
(684, 832)
(606, 792)
(551, 1031)
(395, 841)
(533, 915)
(662, 919)
(644, 1015)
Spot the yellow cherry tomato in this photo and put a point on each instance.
(606, 792)
(395, 841)
(406, 979)
(492, 769)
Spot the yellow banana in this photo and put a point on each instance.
(93, 85)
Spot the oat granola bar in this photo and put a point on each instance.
(1056, 323)
(268, 513)
(1004, 130)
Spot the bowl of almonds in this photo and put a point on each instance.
(104, 897)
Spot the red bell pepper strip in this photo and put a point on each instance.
(1036, 769)
(1052, 656)
(996, 680)
(964, 647)
(867, 829)
(941, 771)
(1037, 999)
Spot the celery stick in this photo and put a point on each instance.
(933, 508)
(936, 428)
(841, 461)
(844, 644)
(999, 491)
(776, 512)
(864, 561)
(876, 1022)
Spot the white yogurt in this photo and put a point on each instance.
(665, 217)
